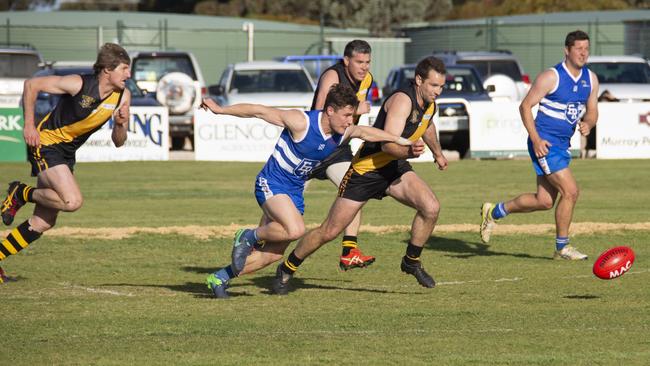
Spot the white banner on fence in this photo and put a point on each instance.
(228, 138)
(148, 138)
(623, 131)
(496, 130)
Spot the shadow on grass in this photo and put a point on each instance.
(198, 289)
(582, 297)
(298, 283)
(464, 250)
(199, 270)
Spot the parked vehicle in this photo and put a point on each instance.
(317, 64)
(463, 85)
(622, 78)
(46, 101)
(176, 81)
(272, 83)
(17, 64)
(492, 63)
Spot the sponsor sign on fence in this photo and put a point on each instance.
(12, 143)
(623, 131)
(148, 138)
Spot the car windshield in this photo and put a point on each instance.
(147, 68)
(17, 65)
(270, 81)
(621, 72)
(458, 81)
(487, 68)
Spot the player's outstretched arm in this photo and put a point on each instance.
(121, 117)
(375, 135)
(292, 119)
(430, 137)
(69, 84)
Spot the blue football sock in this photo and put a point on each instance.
(499, 211)
(225, 274)
(561, 242)
(251, 236)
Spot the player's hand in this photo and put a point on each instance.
(210, 104)
(364, 107)
(441, 161)
(121, 116)
(31, 135)
(416, 149)
(540, 147)
(585, 128)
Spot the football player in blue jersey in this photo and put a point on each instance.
(307, 139)
(567, 95)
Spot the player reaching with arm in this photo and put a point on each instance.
(307, 139)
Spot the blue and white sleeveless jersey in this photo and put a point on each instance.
(561, 109)
(293, 160)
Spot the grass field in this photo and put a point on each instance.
(141, 298)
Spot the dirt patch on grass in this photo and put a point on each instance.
(223, 231)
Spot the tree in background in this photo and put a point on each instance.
(486, 8)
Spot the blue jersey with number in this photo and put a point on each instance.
(293, 160)
(564, 106)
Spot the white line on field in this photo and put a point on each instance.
(96, 290)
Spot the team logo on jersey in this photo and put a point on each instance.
(321, 147)
(574, 112)
(575, 88)
(86, 101)
(305, 167)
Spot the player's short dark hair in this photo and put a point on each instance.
(427, 64)
(576, 35)
(356, 46)
(341, 96)
(109, 57)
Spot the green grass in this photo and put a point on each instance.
(142, 300)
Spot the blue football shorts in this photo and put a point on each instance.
(265, 189)
(556, 160)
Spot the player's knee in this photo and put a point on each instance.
(431, 210)
(295, 231)
(73, 204)
(571, 194)
(545, 203)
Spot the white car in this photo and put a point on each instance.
(622, 78)
(17, 64)
(272, 83)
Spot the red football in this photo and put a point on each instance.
(614, 262)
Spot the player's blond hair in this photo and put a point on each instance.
(110, 56)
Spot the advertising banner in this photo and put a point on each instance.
(148, 138)
(623, 131)
(496, 131)
(12, 143)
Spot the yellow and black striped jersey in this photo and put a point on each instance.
(370, 156)
(362, 88)
(76, 117)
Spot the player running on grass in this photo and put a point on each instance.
(567, 95)
(307, 139)
(380, 169)
(352, 71)
(87, 102)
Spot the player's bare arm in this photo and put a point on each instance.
(591, 116)
(374, 135)
(430, 137)
(292, 119)
(326, 81)
(542, 86)
(69, 84)
(398, 110)
(121, 120)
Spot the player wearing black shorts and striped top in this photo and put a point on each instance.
(380, 170)
(87, 102)
(353, 72)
